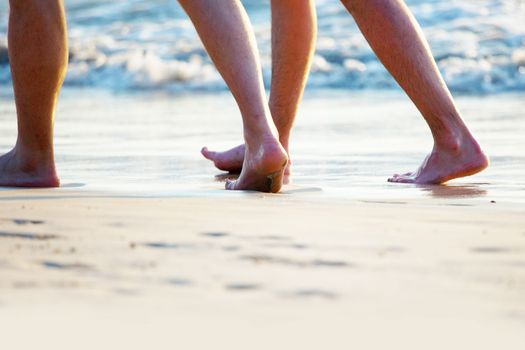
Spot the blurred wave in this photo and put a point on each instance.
(137, 44)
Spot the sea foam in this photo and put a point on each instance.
(479, 46)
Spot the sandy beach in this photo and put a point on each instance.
(141, 247)
(101, 270)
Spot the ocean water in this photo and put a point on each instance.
(128, 45)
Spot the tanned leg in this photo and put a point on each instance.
(38, 58)
(294, 30)
(399, 43)
(229, 39)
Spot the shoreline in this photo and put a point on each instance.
(344, 143)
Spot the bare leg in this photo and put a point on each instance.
(294, 30)
(398, 41)
(38, 59)
(225, 31)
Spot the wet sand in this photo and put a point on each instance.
(141, 247)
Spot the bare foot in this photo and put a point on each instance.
(18, 171)
(232, 159)
(446, 163)
(262, 169)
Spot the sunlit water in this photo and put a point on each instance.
(345, 144)
(150, 44)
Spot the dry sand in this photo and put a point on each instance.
(100, 270)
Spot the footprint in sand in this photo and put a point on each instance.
(492, 250)
(179, 282)
(215, 234)
(65, 266)
(314, 293)
(166, 245)
(28, 222)
(268, 259)
(30, 236)
(242, 287)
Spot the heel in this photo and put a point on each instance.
(275, 179)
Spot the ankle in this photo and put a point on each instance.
(449, 131)
(457, 143)
(449, 143)
(284, 139)
(44, 148)
(34, 159)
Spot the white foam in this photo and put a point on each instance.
(139, 44)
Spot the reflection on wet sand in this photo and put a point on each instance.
(453, 191)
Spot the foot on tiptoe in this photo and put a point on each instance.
(263, 167)
(231, 160)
